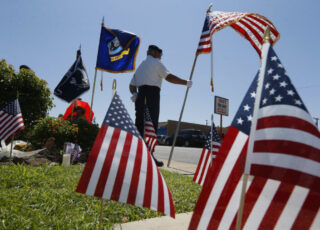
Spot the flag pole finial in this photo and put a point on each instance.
(209, 8)
(114, 84)
(266, 36)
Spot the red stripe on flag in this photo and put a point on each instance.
(160, 193)
(244, 33)
(135, 174)
(276, 207)
(249, 27)
(287, 122)
(265, 22)
(88, 169)
(9, 126)
(208, 156)
(107, 163)
(212, 174)
(122, 168)
(148, 188)
(199, 164)
(254, 190)
(172, 211)
(308, 211)
(288, 147)
(229, 186)
(287, 175)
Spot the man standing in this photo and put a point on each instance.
(145, 88)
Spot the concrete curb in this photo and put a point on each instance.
(181, 222)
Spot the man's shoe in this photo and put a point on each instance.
(158, 163)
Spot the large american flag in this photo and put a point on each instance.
(248, 25)
(10, 120)
(207, 154)
(149, 132)
(121, 168)
(286, 142)
(269, 204)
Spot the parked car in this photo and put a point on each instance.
(161, 139)
(188, 137)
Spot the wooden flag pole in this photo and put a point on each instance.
(101, 211)
(250, 144)
(184, 102)
(211, 80)
(114, 88)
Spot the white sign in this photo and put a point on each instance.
(221, 105)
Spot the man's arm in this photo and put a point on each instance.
(175, 80)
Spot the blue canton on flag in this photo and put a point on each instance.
(242, 119)
(215, 137)
(118, 117)
(284, 142)
(117, 50)
(277, 87)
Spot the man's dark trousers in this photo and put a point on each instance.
(151, 96)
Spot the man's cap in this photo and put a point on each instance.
(154, 47)
(24, 67)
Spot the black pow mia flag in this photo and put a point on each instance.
(74, 83)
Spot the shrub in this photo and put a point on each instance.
(80, 132)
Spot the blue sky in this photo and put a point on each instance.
(46, 34)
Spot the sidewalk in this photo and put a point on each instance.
(181, 222)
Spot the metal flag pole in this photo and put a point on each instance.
(95, 77)
(184, 102)
(266, 39)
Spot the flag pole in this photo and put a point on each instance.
(101, 211)
(211, 80)
(211, 137)
(253, 127)
(92, 96)
(94, 81)
(114, 88)
(184, 102)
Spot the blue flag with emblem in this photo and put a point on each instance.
(117, 50)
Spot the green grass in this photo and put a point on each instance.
(45, 198)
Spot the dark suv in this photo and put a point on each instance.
(188, 137)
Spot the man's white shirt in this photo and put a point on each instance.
(150, 72)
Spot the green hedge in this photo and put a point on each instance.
(80, 132)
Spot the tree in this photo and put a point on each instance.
(34, 96)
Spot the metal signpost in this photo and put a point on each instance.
(221, 106)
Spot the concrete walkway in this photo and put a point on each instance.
(181, 222)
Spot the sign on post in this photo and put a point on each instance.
(221, 106)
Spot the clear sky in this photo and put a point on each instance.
(45, 35)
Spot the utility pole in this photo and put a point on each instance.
(317, 120)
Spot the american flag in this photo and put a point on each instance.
(149, 132)
(269, 204)
(121, 168)
(207, 154)
(10, 120)
(285, 142)
(250, 26)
